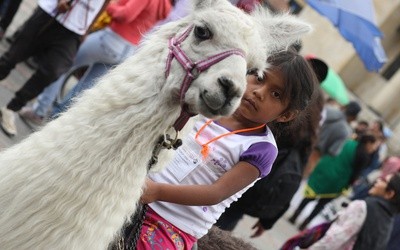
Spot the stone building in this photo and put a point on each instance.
(379, 92)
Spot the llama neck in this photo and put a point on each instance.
(129, 109)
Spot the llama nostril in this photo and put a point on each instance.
(227, 86)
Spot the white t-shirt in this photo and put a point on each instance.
(188, 168)
(78, 18)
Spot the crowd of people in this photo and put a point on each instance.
(285, 133)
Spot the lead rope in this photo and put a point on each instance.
(131, 231)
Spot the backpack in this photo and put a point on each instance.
(270, 196)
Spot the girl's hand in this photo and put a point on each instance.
(63, 6)
(259, 230)
(150, 192)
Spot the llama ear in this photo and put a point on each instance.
(282, 30)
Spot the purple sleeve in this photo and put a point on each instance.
(261, 155)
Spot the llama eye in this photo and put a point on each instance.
(202, 33)
(261, 78)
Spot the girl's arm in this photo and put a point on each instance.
(241, 175)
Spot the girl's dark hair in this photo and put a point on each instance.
(303, 136)
(298, 75)
(362, 158)
(300, 83)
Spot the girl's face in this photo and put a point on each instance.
(379, 188)
(262, 101)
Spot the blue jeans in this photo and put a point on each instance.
(103, 47)
(87, 81)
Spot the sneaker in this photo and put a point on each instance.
(8, 121)
(29, 115)
(10, 39)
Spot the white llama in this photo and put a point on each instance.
(73, 184)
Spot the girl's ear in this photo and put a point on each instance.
(288, 116)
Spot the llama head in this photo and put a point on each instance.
(218, 26)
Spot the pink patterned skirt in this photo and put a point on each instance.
(159, 234)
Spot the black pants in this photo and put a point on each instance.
(52, 44)
(8, 8)
(318, 208)
(229, 219)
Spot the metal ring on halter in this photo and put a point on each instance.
(195, 72)
(168, 142)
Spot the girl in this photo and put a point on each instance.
(221, 159)
(270, 197)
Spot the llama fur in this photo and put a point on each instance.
(217, 239)
(74, 183)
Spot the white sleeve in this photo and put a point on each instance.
(343, 232)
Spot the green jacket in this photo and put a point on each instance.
(332, 174)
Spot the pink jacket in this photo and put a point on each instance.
(133, 18)
(390, 166)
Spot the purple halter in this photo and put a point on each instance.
(193, 69)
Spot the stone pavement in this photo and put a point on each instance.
(18, 76)
(270, 240)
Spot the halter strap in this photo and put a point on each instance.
(193, 69)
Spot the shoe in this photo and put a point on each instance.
(13, 37)
(8, 121)
(10, 39)
(29, 115)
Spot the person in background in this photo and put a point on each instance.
(8, 9)
(383, 133)
(365, 224)
(334, 174)
(101, 50)
(361, 128)
(334, 131)
(361, 186)
(52, 34)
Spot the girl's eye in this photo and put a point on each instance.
(276, 94)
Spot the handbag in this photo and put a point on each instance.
(102, 21)
(307, 237)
